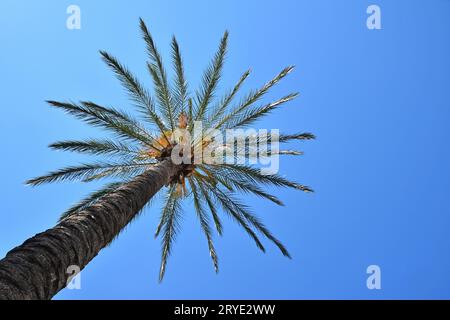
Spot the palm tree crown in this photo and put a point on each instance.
(137, 146)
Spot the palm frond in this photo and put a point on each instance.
(91, 199)
(245, 151)
(261, 227)
(250, 116)
(296, 136)
(243, 211)
(244, 185)
(211, 78)
(228, 206)
(163, 96)
(281, 138)
(215, 179)
(96, 147)
(180, 88)
(285, 152)
(190, 115)
(253, 97)
(218, 110)
(254, 175)
(168, 203)
(158, 73)
(152, 51)
(127, 171)
(170, 229)
(212, 208)
(108, 118)
(85, 172)
(204, 223)
(136, 91)
(249, 154)
(248, 151)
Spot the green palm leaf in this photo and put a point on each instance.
(219, 110)
(254, 175)
(170, 229)
(89, 172)
(170, 197)
(242, 210)
(211, 78)
(204, 222)
(136, 91)
(212, 208)
(250, 116)
(253, 97)
(244, 185)
(228, 206)
(158, 73)
(180, 88)
(108, 118)
(97, 147)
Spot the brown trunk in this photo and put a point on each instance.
(37, 269)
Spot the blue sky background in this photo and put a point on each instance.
(377, 100)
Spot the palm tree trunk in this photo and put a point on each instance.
(37, 269)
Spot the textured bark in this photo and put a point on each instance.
(37, 269)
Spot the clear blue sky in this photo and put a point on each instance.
(378, 100)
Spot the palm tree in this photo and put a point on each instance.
(139, 159)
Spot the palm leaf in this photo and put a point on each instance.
(180, 90)
(168, 203)
(254, 175)
(107, 118)
(244, 185)
(261, 227)
(227, 99)
(252, 188)
(242, 210)
(85, 172)
(136, 91)
(282, 138)
(253, 97)
(96, 147)
(227, 205)
(204, 223)
(211, 78)
(250, 116)
(163, 96)
(170, 230)
(190, 116)
(158, 73)
(296, 136)
(212, 208)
